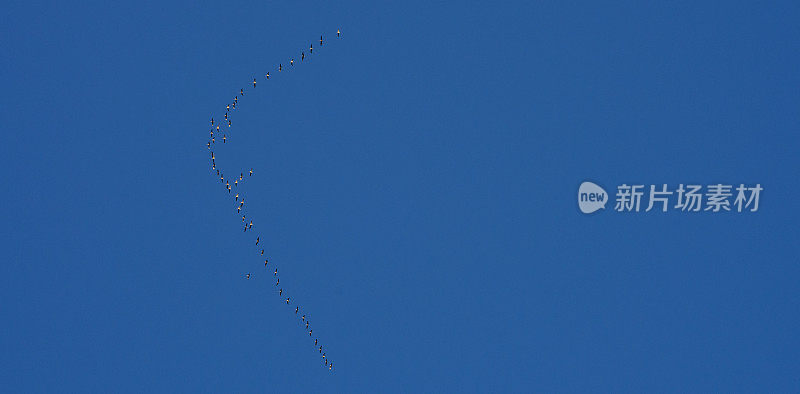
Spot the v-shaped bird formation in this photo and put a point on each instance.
(220, 130)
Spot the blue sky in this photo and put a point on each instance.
(416, 184)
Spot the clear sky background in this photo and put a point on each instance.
(415, 181)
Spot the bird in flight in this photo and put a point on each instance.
(248, 276)
(302, 56)
(267, 75)
(265, 262)
(291, 62)
(257, 238)
(287, 300)
(254, 82)
(338, 33)
(296, 309)
(251, 172)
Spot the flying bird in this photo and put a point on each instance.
(311, 49)
(320, 40)
(257, 238)
(291, 62)
(296, 309)
(267, 75)
(248, 276)
(338, 33)
(302, 56)
(276, 272)
(280, 292)
(251, 172)
(287, 300)
(254, 82)
(265, 262)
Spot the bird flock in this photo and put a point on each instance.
(220, 131)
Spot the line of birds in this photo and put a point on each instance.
(233, 190)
